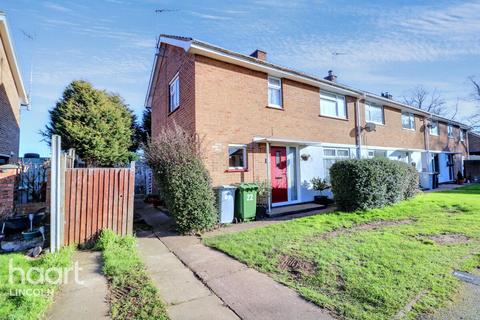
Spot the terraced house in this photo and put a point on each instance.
(264, 122)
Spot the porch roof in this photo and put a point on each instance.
(286, 141)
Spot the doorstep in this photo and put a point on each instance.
(295, 209)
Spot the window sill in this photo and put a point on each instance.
(408, 129)
(237, 170)
(332, 117)
(275, 107)
(171, 112)
(375, 123)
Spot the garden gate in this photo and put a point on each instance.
(86, 200)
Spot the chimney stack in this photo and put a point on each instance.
(387, 95)
(259, 54)
(331, 76)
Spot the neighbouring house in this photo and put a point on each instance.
(474, 143)
(12, 96)
(263, 122)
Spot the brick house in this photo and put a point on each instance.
(12, 96)
(264, 122)
(474, 143)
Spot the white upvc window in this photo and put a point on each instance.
(374, 113)
(377, 153)
(450, 131)
(332, 155)
(275, 92)
(237, 157)
(462, 135)
(408, 121)
(434, 129)
(174, 96)
(332, 105)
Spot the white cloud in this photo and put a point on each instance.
(209, 16)
(56, 7)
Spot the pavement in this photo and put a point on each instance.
(180, 260)
(465, 305)
(185, 295)
(86, 300)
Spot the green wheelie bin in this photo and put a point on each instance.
(246, 201)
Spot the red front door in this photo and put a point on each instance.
(278, 165)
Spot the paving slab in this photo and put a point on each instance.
(465, 304)
(185, 295)
(206, 308)
(249, 293)
(85, 300)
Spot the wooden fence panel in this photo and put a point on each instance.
(95, 199)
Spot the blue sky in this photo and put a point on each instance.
(389, 45)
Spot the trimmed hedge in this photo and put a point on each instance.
(182, 179)
(372, 183)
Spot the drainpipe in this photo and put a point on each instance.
(426, 138)
(467, 145)
(269, 200)
(358, 126)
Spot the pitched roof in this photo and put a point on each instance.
(204, 48)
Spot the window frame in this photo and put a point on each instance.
(371, 104)
(245, 162)
(450, 131)
(462, 135)
(335, 157)
(275, 87)
(369, 151)
(411, 120)
(333, 97)
(437, 133)
(171, 107)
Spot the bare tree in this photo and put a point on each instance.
(430, 101)
(474, 118)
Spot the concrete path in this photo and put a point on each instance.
(249, 293)
(185, 295)
(82, 301)
(465, 305)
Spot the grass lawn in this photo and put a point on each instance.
(372, 264)
(28, 301)
(132, 294)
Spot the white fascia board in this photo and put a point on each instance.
(285, 141)
(221, 56)
(184, 44)
(12, 60)
(392, 149)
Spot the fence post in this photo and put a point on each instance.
(56, 221)
(131, 198)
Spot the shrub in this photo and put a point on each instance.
(371, 183)
(182, 179)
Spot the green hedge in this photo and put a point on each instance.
(182, 179)
(372, 183)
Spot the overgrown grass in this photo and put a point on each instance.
(27, 301)
(133, 295)
(370, 273)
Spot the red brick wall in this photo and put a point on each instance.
(9, 109)
(231, 108)
(392, 134)
(7, 188)
(174, 60)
